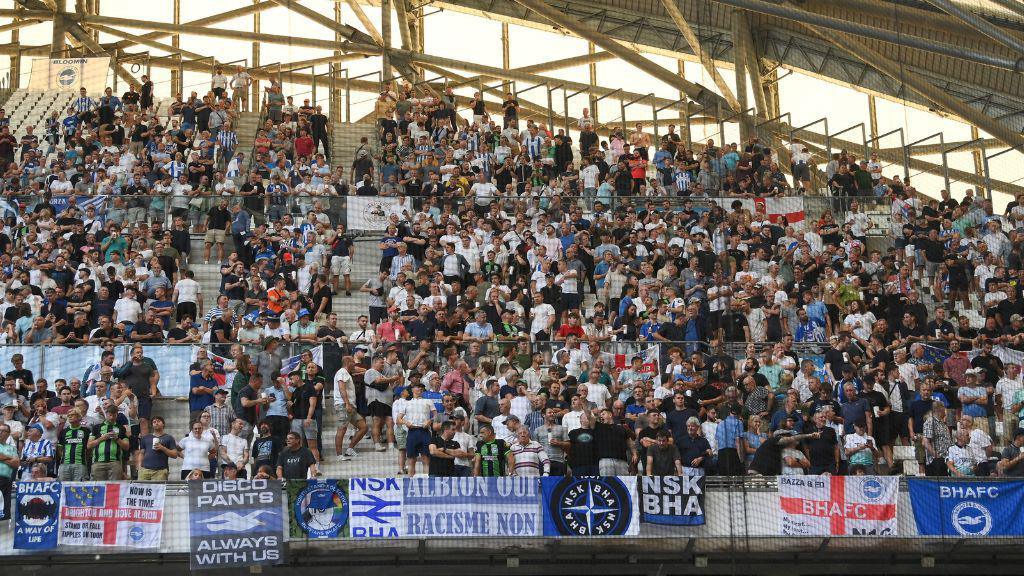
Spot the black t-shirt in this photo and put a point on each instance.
(443, 466)
(583, 448)
(219, 218)
(611, 440)
(265, 451)
(768, 457)
(295, 463)
(220, 327)
(301, 400)
(919, 410)
(822, 450)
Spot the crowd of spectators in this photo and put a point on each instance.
(523, 279)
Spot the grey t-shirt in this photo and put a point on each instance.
(372, 394)
(1009, 453)
(545, 434)
(376, 300)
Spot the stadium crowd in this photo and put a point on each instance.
(524, 280)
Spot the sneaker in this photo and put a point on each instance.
(350, 453)
(401, 471)
(380, 448)
(344, 457)
(392, 448)
(347, 293)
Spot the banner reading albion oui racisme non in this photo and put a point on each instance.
(235, 523)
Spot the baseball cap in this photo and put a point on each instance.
(1016, 318)
(303, 312)
(221, 391)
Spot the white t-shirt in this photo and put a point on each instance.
(540, 317)
(485, 193)
(196, 453)
(127, 310)
(416, 411)
(343, 381)
(188, 290)
(234, 446)
(598, 393)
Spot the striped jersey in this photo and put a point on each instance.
(108, 450)
(84, 104)
(40, 449)
(227, 139)
(530, 460)
(74, 442)
(492, 457)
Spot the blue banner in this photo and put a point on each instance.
(967, 508)
(672, 500)
(36, 511)
(480, 506)
(235, 523)
(590, 506)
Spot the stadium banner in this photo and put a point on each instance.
(373, 212)
(838, 505)
(291, 363)
(672, 500)
(235, 523)
(375, 507)
(318, 509)
(36, 510)
(481, 506)
(651, 367)
(60, 204)
(590, 506)
(967, 509)
(775, 209)
(112, 514)
(69, 74)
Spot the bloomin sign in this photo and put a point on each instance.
(967, 509)
(838, 505)
(235, 523)
(69, 74)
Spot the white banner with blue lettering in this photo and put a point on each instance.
(69, 74)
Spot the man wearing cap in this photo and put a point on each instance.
(416, 415)
(304, 331)
(1011, 463)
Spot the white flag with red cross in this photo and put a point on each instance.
(838, 505)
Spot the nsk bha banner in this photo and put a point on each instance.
(235, 523)
(69, 74)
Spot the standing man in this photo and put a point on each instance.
(296, 462)
(155, 451)
(555, 440)
(72, 444)
(416, 415)
(108, 442)
(491, 454)
(240, 83)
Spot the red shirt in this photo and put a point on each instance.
(303, 146)
(566, 330)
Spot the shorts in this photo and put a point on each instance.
(401, 437)
(150, 475)
(308, 431)
(379, 409)
(215, 236)
(341, 265)
(145, 406)
(378, 314)
(347, 416)
(418, 443)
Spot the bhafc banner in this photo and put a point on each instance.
(965, 509)
(69, 74)
(318, 509)
(112, 514)
(672, 500)
(838, 505)
(36, 511)
(235, 523)
(590, 506)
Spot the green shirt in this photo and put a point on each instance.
(9, 451)
(74, 442)
(493, 457)
(108, 450)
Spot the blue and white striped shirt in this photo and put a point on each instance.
(534, 144)
(227, 139)
(84, 104)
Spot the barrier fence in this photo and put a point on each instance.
(218, 523)
(371, 213)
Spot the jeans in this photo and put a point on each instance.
(72, 472)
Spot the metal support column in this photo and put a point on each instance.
(977, 154)
(873, 116)
(177, 82)
(592, 70)
(739, 54)
(385, 33)
(551, 111)
(980, 24)
(57, 41)
(505, 54)
(254, 97)
(566, 96)
(15, 71)
(686, 136)
(705, 59)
